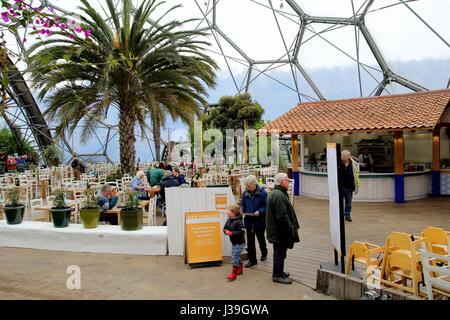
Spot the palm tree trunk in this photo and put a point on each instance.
(127, 141)
(157, 138)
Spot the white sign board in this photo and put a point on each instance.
(333, 193)
(182, 200)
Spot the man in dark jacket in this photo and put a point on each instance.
(177, 174)
(282, 226)
(254, 200)
(169, 181)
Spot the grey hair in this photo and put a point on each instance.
(106, 188)
(346, 153)
(251, 180)
(167, 173)
(280, 177)
(140, 174)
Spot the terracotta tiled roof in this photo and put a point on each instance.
(413, 110)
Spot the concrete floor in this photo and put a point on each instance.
(35, 274)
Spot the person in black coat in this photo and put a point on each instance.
(234, 228)
(176, 173)
(168, 181)
(282, 226)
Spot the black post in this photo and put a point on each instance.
(341, 208)
(336, 261)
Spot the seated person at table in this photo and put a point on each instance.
(137, 186)
(176, 173)
(155, 175)
(169, 181)
(107, 200)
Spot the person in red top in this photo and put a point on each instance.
(11, 164)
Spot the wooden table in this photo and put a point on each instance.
(142, 204)
(152, 192)
(201, 183)
(47, 208)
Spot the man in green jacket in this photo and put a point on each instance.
(155, 176)
(281, 226)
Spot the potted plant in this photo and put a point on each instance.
(60, 211)
(14, 211)
(90, 210)
(131, 214)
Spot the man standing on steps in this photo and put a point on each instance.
(282, 226)
(350, 182)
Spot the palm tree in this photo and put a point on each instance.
(133, 62)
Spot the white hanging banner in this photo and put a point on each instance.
(333, 190)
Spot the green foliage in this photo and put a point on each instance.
(91, 200)
(53, 155)
(12, 197)
(116, 176)
(59, 202)
(231, 112)
(138, 62)
(9, 145)
(131, 201)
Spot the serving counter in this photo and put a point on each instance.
(375, 187)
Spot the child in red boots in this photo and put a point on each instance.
(235, 230)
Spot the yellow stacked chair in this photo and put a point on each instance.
(401, 262)
(365, 253)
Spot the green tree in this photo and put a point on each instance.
(133, 61)
(231, 112)
(10, 144)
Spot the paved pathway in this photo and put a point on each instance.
(36, 274)
(371, 222)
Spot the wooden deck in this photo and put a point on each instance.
(371, 222)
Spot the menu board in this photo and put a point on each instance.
(203, 237)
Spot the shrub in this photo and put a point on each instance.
(12, 197)
(59, 202)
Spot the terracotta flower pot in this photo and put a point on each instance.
(14, 215)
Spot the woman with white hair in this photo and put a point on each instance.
(138, 187)
(254, 201)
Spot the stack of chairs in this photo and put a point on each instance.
(438, 238)
(436, 273)
(401, 263)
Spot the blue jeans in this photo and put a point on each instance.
(348, 197)
(236, 254)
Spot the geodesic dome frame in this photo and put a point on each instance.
(23, 115)
(23, 112)
(291, 56)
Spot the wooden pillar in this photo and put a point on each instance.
(436, 174)
(399, 165)
(295, 164)
(302, 152)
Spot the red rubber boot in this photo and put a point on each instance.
(232, 276)
(240, 269)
